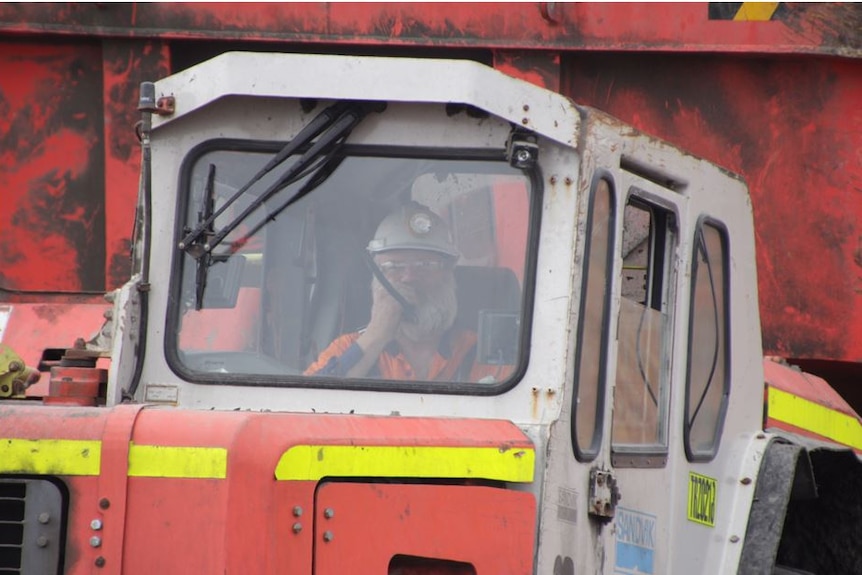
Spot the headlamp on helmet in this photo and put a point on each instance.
(413, 227)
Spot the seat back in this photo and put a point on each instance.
(485, 289)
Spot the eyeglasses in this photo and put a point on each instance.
(417, 265)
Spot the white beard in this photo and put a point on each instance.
(435, 310)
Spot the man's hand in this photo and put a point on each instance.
(386, 314)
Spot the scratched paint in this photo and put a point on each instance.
(795, 141)
(51, 162)
(126, 64)
(796, 144)
(828, 28)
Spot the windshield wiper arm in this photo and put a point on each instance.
(337, 121)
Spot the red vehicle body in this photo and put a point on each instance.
(770, 91)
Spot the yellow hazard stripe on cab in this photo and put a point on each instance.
(755, 11)
(313, 462)
(184, 462)
(77, 457)
(50, 456)
(825, 422)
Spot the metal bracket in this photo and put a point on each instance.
(165, 106)
(604, 494)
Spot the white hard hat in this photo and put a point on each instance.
(413, 227)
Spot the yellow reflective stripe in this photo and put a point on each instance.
(76, 457)
(186, 462)
(756, 11)
(799, 412)
(312, 462)
(50, 456)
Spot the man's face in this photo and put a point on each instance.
(427, 281)
(419, 271)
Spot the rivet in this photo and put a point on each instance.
(568, 181)
(526, 107)
(297, 511)
(760, 436)
(100, 561)
(96, 524)
(525, 121)
(297, 527)
(95, 541)
(104, 503)
(734, 539)
(553, 179)
(44, 517)
(329, 513)
(745, 480)
(42, 541)
(327, 536)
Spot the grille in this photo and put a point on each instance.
(31, 520)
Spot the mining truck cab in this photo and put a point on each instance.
(607, 280)
(594, 399)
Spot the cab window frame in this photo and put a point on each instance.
(660, 295)
(705, 455)
(589, 452)
(534, 190)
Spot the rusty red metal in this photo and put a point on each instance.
(775, 100)
(125, 64)
(791, 127)
(52, 224)
(75, 385)
(827, 28)
(33, 329)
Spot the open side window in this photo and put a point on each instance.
(591, 357)
(642, 386)
(708, 371)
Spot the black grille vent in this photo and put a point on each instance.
(13, 499)
(31, 526)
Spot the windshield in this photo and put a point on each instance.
(397, 267)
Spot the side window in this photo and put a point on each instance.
(591, 357)
(639, 432)
(708, 372)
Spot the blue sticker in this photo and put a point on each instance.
(635, 542)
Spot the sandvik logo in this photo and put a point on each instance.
(635, 542)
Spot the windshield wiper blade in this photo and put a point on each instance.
(324, 121)
(205, 261)
(320, 175)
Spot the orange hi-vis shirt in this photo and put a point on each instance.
(344, 353)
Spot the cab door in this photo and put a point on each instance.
(674, 436)
(651, 364)
(624, 368)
